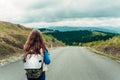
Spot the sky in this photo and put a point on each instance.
(44, 13)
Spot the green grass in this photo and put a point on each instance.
(98, 33)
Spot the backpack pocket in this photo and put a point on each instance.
(33, 73)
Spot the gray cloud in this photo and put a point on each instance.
(54, 10)
(58, 10)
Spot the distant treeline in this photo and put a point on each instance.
(81, 36)
(45, 29)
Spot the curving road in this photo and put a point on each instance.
(69, 63)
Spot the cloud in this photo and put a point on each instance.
(56, 11)
(82, 22)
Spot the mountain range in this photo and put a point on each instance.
(72, 28)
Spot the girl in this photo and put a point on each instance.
(35, 49)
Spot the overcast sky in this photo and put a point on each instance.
(42, 13)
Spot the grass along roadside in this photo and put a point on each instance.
(10, 60)
(104, 54)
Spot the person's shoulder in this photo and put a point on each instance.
(45, 50)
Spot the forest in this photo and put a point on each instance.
(80, 36)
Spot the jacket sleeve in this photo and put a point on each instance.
(47, 59)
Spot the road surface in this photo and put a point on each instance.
(69, 63)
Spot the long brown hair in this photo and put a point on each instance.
(34, 43)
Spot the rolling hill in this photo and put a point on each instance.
(103, 39)
(80, 36)
(110, 46)
(13, 37)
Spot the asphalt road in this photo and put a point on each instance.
(69, 63)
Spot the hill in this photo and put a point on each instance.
(13, 37)
(110, 46)
(80, 36)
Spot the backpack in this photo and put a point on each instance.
(33, 65)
